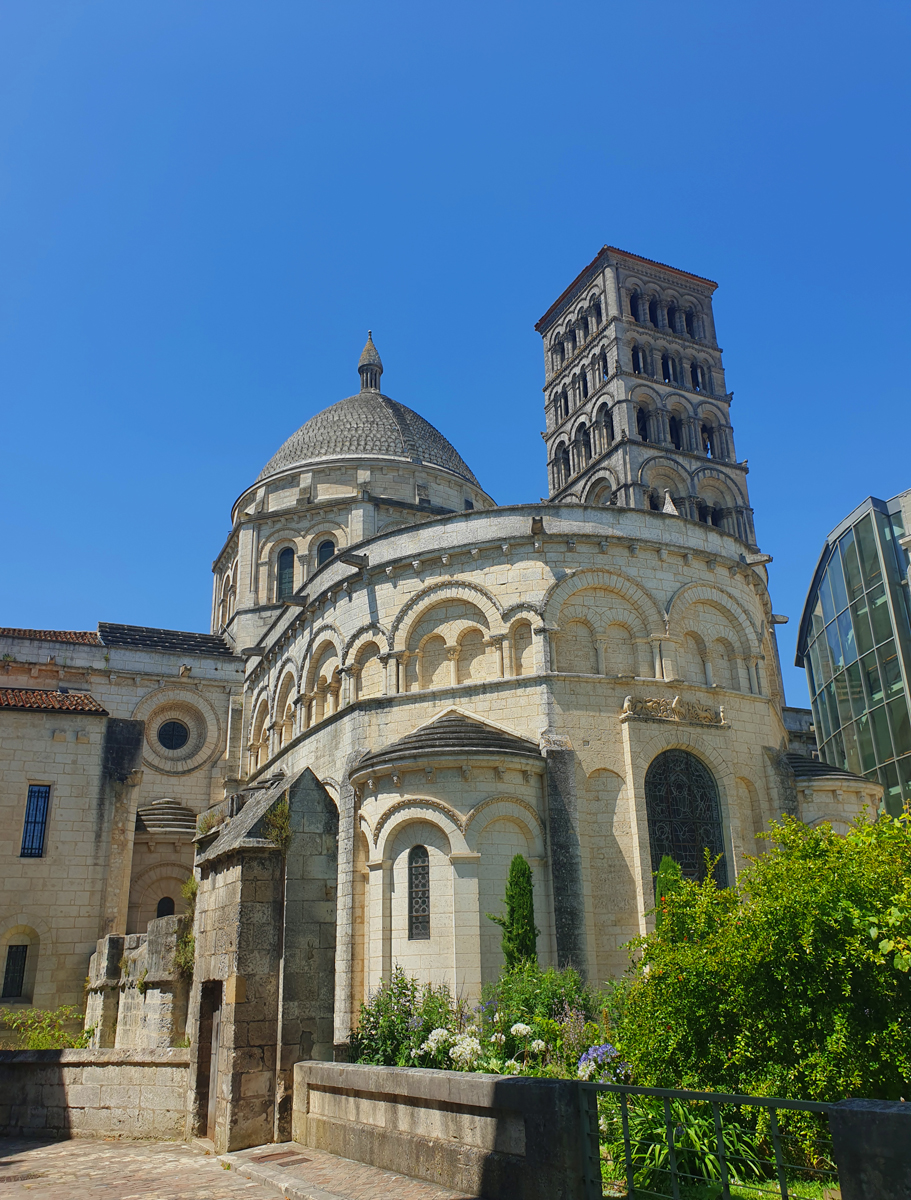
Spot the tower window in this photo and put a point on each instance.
(285, 573)
(675, 431)
(596, 312)
(165, 907)
(565, 403)
(584, 324)
(697, 377)
(602, 361)
(690, 323)
(324, 552)
(637, 361)
(418, 894)
(654, 502)
(653, 311)
(14, 975)
(583, 383)
(672, 317)
(708, 441)
(642, 424)
(36, 806)
(173, 735)
(635, 306)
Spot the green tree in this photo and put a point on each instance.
(667, 881)
(520, 934)
(793, 983)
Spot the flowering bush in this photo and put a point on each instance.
(405, 1023)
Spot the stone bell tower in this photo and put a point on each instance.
(636, 405)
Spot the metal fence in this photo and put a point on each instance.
(652, 1143)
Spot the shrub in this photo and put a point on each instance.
(520, 934)
(793, 983)
(185, 950)
(277, 825)
(398, 1021)
(43, 1029)
(667, 881)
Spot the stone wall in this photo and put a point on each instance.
(482, 1135)
(93, 1093)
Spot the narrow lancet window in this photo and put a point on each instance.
(418, 894)
(35, 821)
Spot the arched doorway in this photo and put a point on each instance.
(684, 814)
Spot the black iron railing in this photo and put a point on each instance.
(651, 1143)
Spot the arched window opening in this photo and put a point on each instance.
(654, 502)
(642, 423)
(583, 383)
(14, 973)
(702, 511)
(635, 306)
(571, 339)
(607, 426)
(596, 313)
(675, 431)
(709, 442)
(637, 361)
(562, 465)
(717, 519)
(684, 814)
(653, 311)
(583, 324)
(285, 574)
(605, 370)
(559, 354)
(165, 907)
(697, 377)
(324, 552)
(690, 323)
(672, 317)
(583, 437)
(565, 403)
(418, 894)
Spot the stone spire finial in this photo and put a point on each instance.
(370, 366)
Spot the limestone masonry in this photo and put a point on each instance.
(421, 684)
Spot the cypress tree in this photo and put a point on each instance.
(667, 881)
(520, 934)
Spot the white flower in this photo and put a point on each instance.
(499, 1038)
(496, 1018)
(472, 1031)
(435, 1040)
(511, 1067)
(587, 1069)
(520, 1030)
(415, 1053)
(538, 1047)
(465, 1050)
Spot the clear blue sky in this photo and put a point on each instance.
(204, 204)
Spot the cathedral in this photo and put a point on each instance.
(591, 681)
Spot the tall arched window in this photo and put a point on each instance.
(690, 323)
(583, 383)
(638, 361)
(708, 441)
(684, 814)
(653, 311)
(697, 377)
(285, 580)
(324, 552)
(565, 403)
(675, 431)
(596, 312)
(562, 465)
(605, 371)
(642, 424)
(672, 317)
(418, 894)
(634, 306)
(165, 907)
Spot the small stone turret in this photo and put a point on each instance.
(370, 367)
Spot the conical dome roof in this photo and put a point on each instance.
(368, 425)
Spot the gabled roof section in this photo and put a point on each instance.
(44, 700)
(173, 641)
(456, 733)
(79, 636)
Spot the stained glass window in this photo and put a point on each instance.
(418, 894)
(684, 814)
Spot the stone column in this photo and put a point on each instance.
(657, 659)
(565, 854)
(601, 648)
(452, 653)
(496, 640)
(466, 919)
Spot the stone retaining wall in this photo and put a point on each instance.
(481, 1135)
(94, 1093)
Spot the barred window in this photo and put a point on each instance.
(285, 573)
(418, 894)
(35, 821)
(684, 814)
(14, 975)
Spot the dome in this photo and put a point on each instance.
(364, 426)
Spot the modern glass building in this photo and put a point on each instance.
(855, 643)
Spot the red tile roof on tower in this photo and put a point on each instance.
(45, 700)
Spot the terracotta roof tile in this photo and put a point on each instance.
(46, 700)
(84, 637)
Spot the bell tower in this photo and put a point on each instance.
(637, 409)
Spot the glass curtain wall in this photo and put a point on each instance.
(855, 644)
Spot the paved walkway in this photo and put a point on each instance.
(85, 1169)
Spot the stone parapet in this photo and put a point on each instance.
(93, 1093)
(481, 1135)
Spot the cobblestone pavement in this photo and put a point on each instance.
(86, 1169)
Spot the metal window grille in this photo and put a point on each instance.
(35, 821)
(14, 975)
(684, 815)
(418, 894)
(285, 573)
